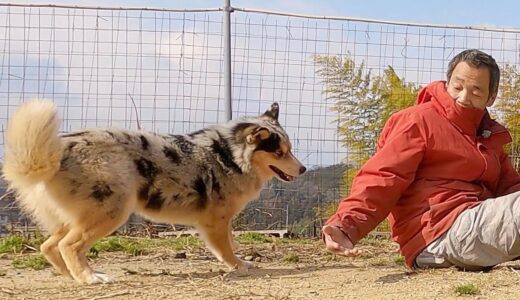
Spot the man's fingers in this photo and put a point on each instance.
(351, 252)
(342, 251)
(337, 243)
(328, 230)
(333, 245)
(337, 249)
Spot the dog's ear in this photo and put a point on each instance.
(273, 112)
(257, 135)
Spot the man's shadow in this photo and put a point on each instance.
(395, 277)
(253, 273)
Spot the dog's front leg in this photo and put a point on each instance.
(234, 243)
(218, 238)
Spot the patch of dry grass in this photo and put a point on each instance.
(290, 269)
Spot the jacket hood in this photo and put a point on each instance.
(468, 120)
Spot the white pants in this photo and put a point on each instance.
(481, 237)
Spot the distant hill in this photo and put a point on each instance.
(282, 203)
(279, 204)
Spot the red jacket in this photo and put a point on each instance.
(433, 161)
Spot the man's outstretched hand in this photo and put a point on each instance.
(337, 242)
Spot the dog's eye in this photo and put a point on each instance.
(278, 153)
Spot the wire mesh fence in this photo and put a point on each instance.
(115, 66)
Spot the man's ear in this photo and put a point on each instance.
(273, 112)
(258, 134)
(491, 100)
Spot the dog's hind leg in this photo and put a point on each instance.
(51, 252)
(81, 236)
(49, 216)
(218, 239)
(76, 243)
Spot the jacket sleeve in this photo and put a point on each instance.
(383, 178)
(509, 180)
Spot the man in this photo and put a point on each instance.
(441, 176)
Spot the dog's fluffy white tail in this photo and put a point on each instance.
(33, 149)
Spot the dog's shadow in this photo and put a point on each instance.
(256, 273)
(395, 277)
(279, 272)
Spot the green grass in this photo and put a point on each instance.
(291, 258)
(399, 260)
(254, 238)
(250, 251)
(182, 243)
(135, 248)
(466, 289)
(285, 241)
(115, 243)
(12, 244)
(373, 241)
(138, 247)
(17, 243)
(35, 262)
(379, 262)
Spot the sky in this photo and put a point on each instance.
(92, 67)
(472, 13)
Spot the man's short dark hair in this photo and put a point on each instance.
(477, 58)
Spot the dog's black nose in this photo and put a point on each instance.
(302, 169)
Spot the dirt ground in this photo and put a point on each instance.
(288, 270)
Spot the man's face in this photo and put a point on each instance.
(469, 86)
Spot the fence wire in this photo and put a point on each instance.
(111, 66)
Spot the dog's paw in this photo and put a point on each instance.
(240, 265)
(245, 265)
(97, 278)
(243, 269)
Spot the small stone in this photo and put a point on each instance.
(248, 258)
(258, 259)
(202, 257)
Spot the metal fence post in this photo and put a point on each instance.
(227, 59)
